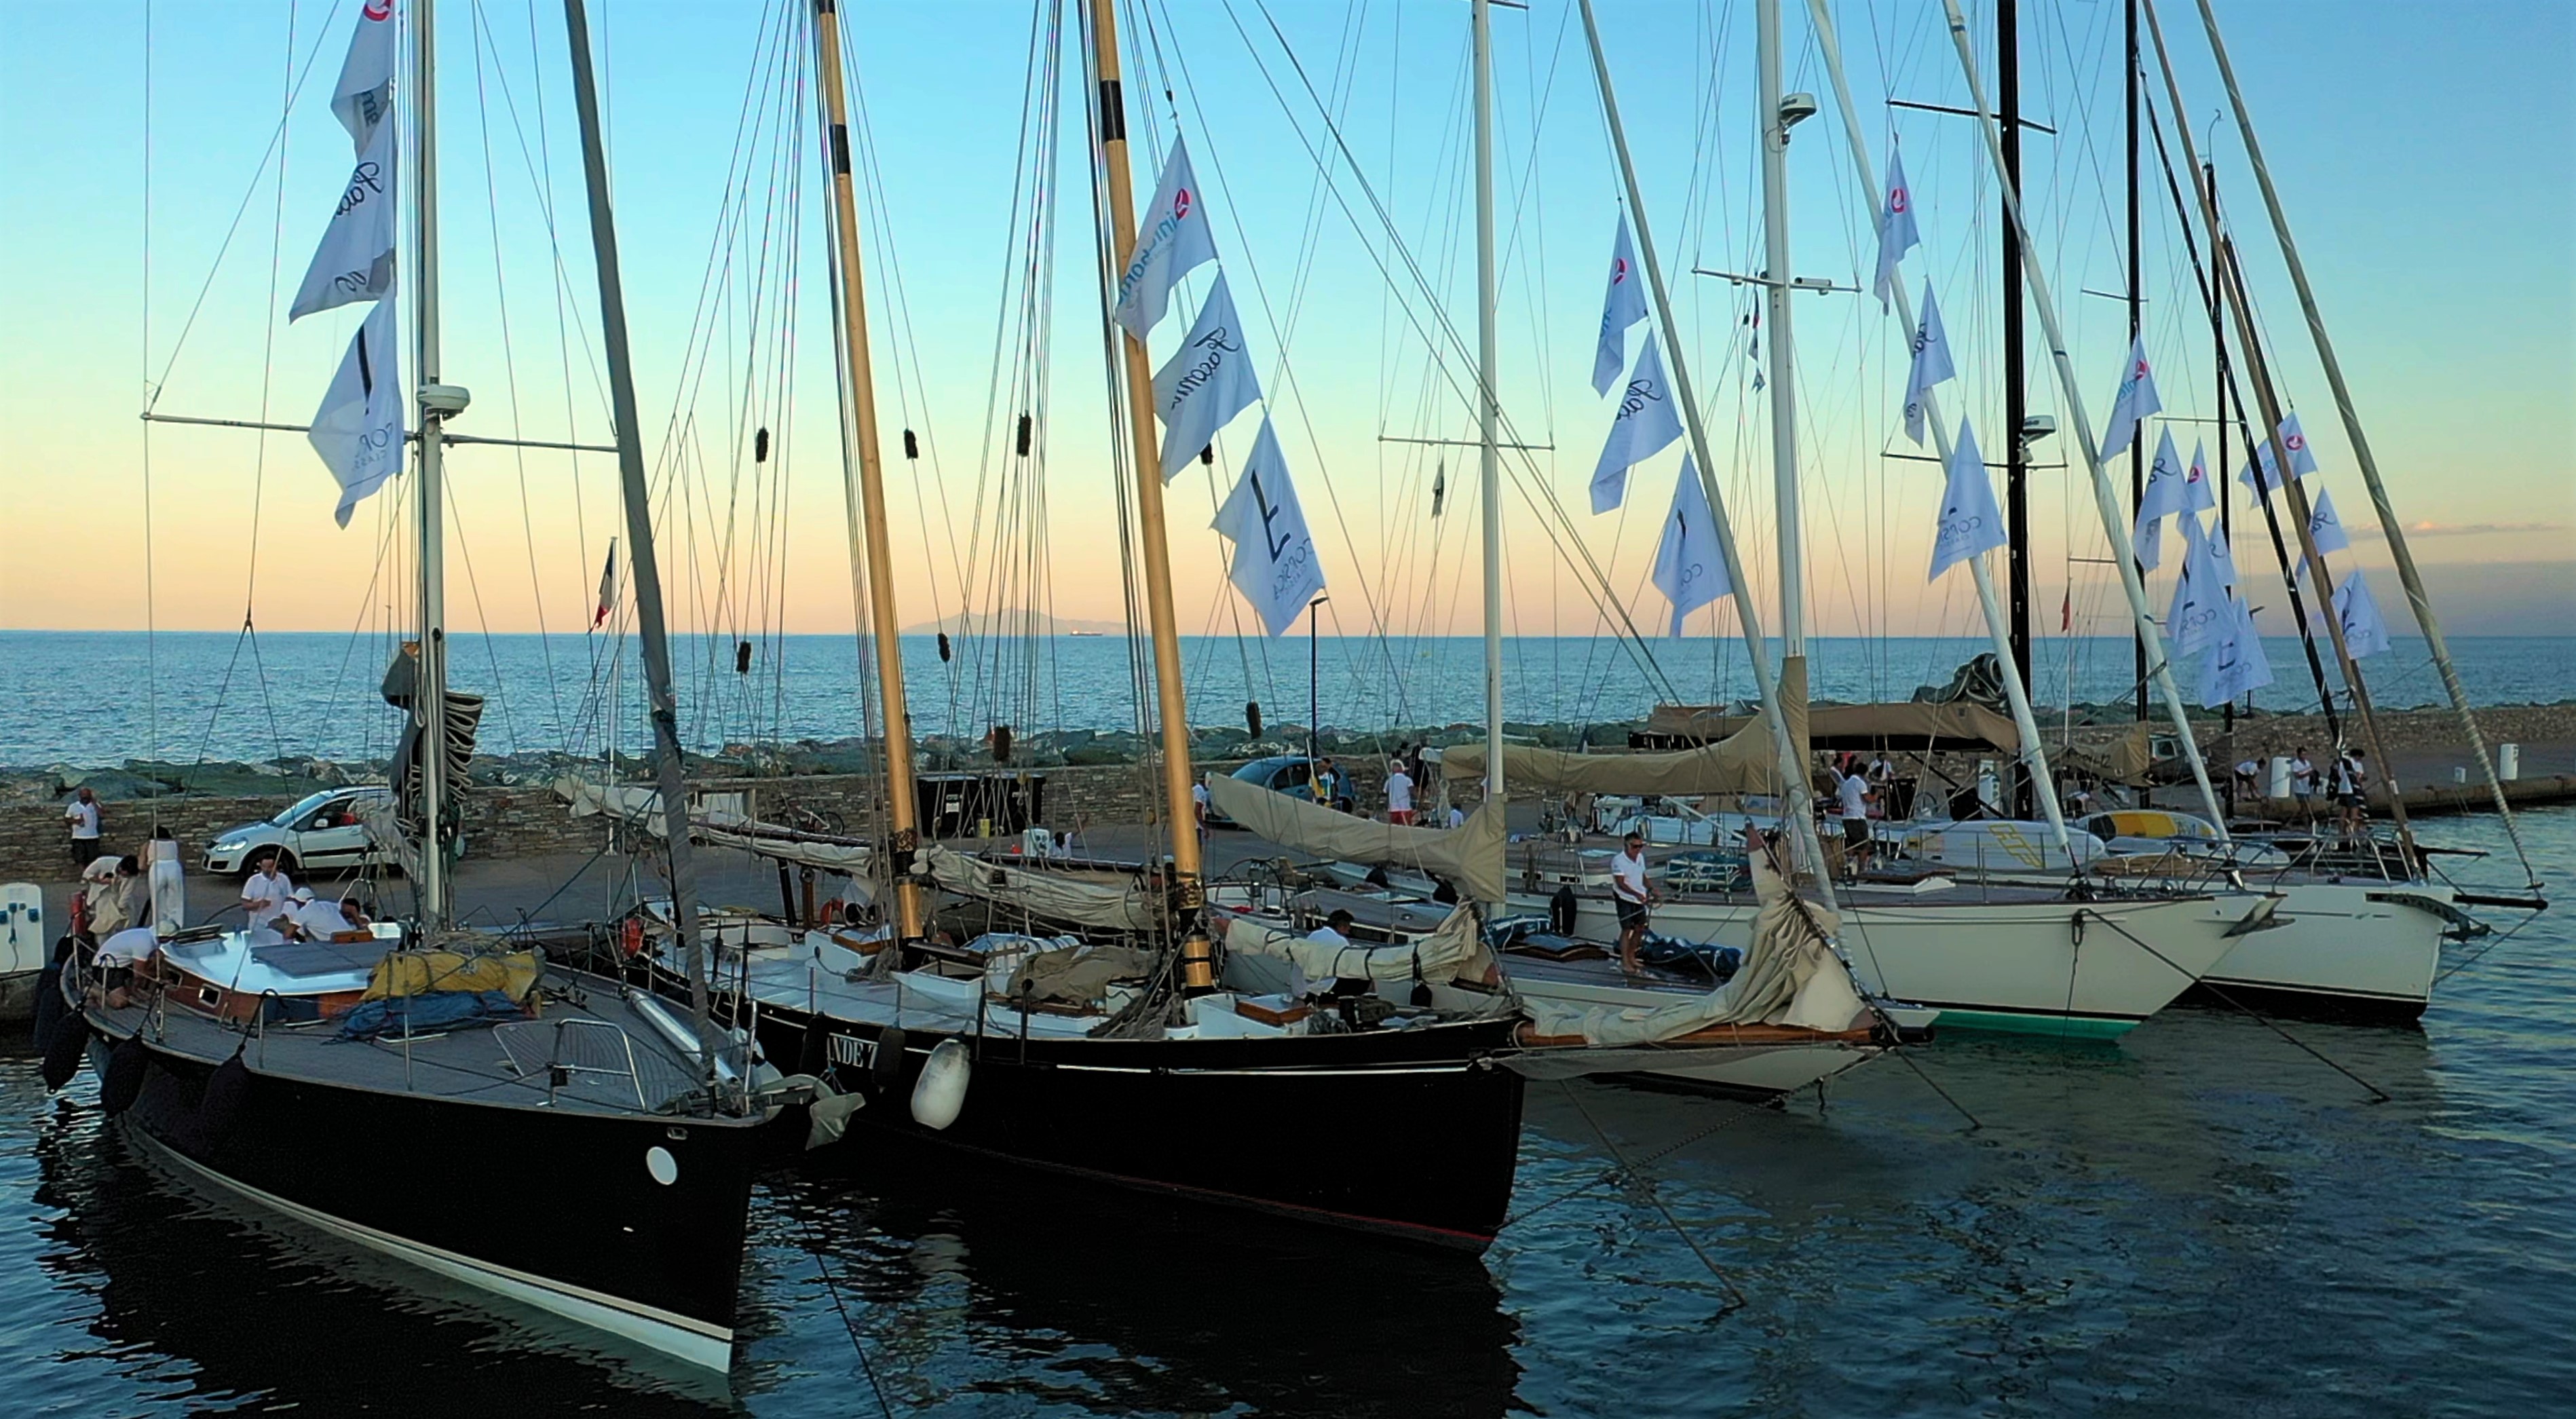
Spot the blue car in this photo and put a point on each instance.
(1291, 774)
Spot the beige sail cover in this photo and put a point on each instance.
(1451, 950)
(1077, 899)
(642, 808)
(1470, 856)
(1790, 976)
(1744, 762)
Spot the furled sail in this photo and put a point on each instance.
(1451, 950)
(642, 808)
(1077, 899)
(1469, 856)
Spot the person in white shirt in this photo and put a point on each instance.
(1328, 934)
(1457, 816)
(1852, 796)
(1199, 805)
(2303, 781)
(82, 814)
(1399, 795)
(2351, 781)
(1630, 894)
(266, 892)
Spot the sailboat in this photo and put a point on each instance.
(399, 1085)
(1119, 1059)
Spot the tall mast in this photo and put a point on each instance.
(1799, 797)
(1179, 810)
(868, 497)
(2016, 360)
(2137, 301)
(1784, 364)
(1488, 402)
(2034, 753)
(2389, 522)
(2218, 350)
(2115, 528)
(429, 697)
(660, 707)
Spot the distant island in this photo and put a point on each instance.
(1014, 623)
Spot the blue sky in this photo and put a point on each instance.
(2425, 158)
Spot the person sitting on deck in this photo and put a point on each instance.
(1335, 932)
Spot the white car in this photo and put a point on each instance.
(323, 830)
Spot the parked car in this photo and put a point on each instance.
(1291, 774)
(323, 830)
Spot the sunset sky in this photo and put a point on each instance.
(2425, 156)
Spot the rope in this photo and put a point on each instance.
(831, 1288)
(1734, 1298)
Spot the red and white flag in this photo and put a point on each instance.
(607, 589)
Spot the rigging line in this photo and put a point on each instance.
(268, 340)
(500, 691)
(152, 389)
(546, 205)
(1654, 1197)
(151, 623)
(509, 359)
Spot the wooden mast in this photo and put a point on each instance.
(1179, 809)
(869, 494)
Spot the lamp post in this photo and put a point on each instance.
(1314, 688)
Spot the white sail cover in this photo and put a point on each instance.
(1790, 976)
(355, 261)
(358, 431)
(1080, 900)
(1470, 856)
(1205, 383)
(1742, 762)
(1452, 949)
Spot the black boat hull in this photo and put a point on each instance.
(1409, 1133)
(455, 1187)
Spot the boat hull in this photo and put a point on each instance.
(2343, 950)
(442, 1183)
(1411, 1133)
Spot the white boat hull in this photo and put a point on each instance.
(2361, 948)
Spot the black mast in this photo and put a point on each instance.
(2016, 412)
(2138, 446)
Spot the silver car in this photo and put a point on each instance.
(323, 830)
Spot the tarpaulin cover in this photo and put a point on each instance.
(1056, 896)
(1746, 761)
(1453, 949)
(406, 973)
(1470, 856)
(437, 1010)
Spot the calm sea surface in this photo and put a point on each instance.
(2198, 1220)
(92, 699)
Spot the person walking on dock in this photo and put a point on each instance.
(82, 815)
(1399, 795)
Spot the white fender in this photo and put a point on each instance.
(941, 1091)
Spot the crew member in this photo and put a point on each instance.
(1631, 894)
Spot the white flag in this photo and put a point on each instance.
(2223, 557)
(1172, 239)
(2199, 608)
(1205, 383)
(2236, 666)
(1622, 305)
(2324, 527)
(2162, 499)
(2135, 401)
(1647, 424)
(355, 261)
(2198, 493)
(1274, 558)
(607, 589)
(359, 428)
(1931, 364)
(2363, 632)
(365, 93)
(1971, 523)
(1896, 233)
(1690, 566)
(2302, 462)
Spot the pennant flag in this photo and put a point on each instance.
(2066, 612)
(1971, 523)
(1205, 383)
(355, 261)
(2199, 608)
(2222, 557)
(1439, 487)
(2135, 401)
(365, 93)
(1690, 566)
(1931, 364)
(2324, 528)
(1172, 240)
(1274, 558)
(607, 589)
(2162, 499)
(1622, 305)
(2236, 666)
(1896, 233)
(2198, 493)
(1647, 424)
(359, 428)
(2302, 462)
(2363, 632)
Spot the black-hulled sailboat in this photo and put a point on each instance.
(438, 1095)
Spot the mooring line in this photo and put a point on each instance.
(1735, 1298)
(814, 1244)
(2378, 1095)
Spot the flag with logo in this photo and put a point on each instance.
(2199, 609)
(2162, 499)
(2198, 493)
(2325, 529)
(1971, 523)
(2222, 557)
(2135, 401)
(1647, 423)
(355, 261)
(1896, 231)
(1205, 383)
(365, 92)
(607, 589)
(2236, 665)
(358, 431)
(2364, 633)
(1623, 304)
(1930, 365)
(1172, 240)
(1274, 557)
(1690, 565)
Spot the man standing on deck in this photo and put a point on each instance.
(2303, 783)
(82, 814)
(1399, 795)
(1631, 894)
(1852, 798)
(266, 892)
(2351, 780)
